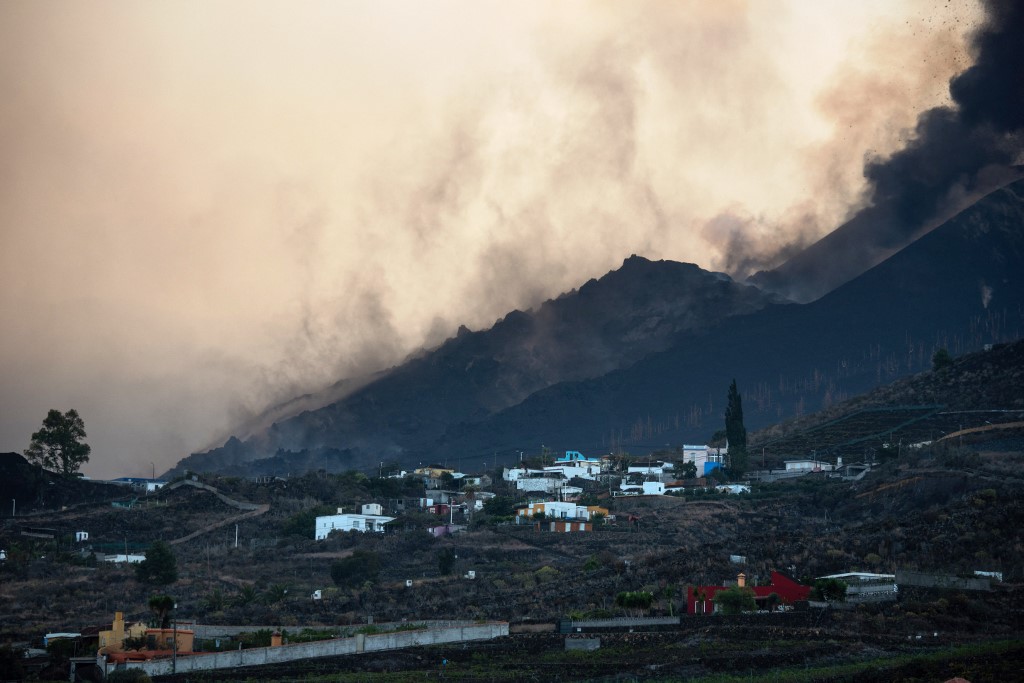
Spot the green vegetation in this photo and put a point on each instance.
(941, 360)
(274, 594)
(160, 567)
(634, 599)
(11, 668)
(58, 446)
(445, 561)
(215, 601)
(304, 523)
(830, 590)
(735, 600)
(684, 470)
(246, 595)
(357, 569)
(161, 606)
(735, 432)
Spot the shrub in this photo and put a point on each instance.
(304, 523)
(735, 600)
(830, 590)
(361, 566)
(160, 566)
(446, 561)
(634, 599)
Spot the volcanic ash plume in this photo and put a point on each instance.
(954, 155)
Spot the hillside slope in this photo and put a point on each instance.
(610, 323)
(30, 487)
(960, 287)
(978, 401)
(642, 358)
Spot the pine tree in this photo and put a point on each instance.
(160, 566)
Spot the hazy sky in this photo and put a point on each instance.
(208, 206)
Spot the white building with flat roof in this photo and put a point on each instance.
(350, 522)
(808, 465)
(704, 457)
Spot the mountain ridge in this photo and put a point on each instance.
(554, 376)
(854, 338)
(605, 324)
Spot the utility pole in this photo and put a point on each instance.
(174, 652)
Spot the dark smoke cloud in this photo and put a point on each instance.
(954, 154)
(951, 146)
(992, 91)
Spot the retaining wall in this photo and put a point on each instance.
(324, 648)
(922, 580)
(210, 631)
(618, 624)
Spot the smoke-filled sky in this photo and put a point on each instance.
(206, 207)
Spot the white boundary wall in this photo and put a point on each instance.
(322, 648)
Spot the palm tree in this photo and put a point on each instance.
(162, 606)
(215, 601)
(246, 596)
(275, 593)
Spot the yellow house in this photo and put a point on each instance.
(113, 640)
(433, 472)
(163, 639)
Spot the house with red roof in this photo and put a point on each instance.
(700, 599)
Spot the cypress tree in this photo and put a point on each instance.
(735, 432)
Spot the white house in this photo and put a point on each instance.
(650, 468)
(572, 464)
(647, 488)
(372, 509)
(350, 522)
(653, 488)
(554, 509)
(704, 457)
(577, 459)
(517, 473)
(548, 482)
(583, 471)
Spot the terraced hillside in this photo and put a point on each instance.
(978, 400)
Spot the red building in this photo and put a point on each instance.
(699, 599)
